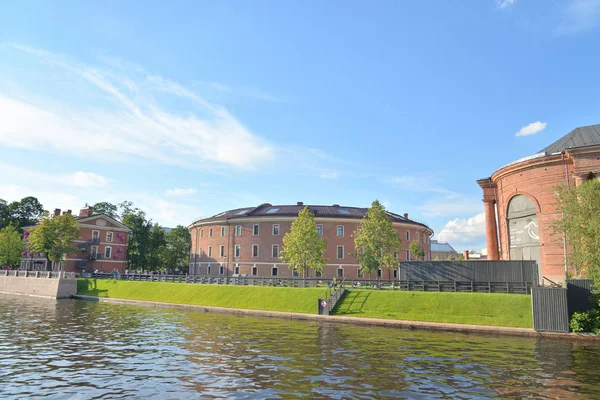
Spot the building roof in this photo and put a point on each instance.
(334, 211)
(441, 247)
(578, 137)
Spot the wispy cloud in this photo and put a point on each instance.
(501, 4)
(463, 231)
(579, 16)
(134, 124)
(180, 192)
(415, 184)
(329, 175)
(452, 204)
(242, 91)
(79, 178)
(532, 129)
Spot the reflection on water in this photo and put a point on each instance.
(76, 349)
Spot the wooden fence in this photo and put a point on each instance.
(476, 271)
(550, 309)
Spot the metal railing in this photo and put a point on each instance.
(39, 274)
(330, 298)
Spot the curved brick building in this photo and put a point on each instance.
(247, 241)
(520, 204)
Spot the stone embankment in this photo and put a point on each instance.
(52, 285)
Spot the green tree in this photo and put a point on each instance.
(106, 208)
(26, 212)
(54, 237)
(376, 241)
(156, 248)
(138, 245)
(177, 250)
(4, 214)
(416, 250)
(303, 247)
(11, 246)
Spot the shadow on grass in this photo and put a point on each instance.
(352, 303)
(89, 287)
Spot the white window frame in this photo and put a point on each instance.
(222, 251)
(236, 269)
(254, 271)
(337, 252)
(338, 230)
(256, 230)
(320, 229)
(275, 227)
(111, 237)
(94, 250)
(275, 269)
(275, 246)
(237, 250)
(96, 234)
(337, 275)
(109, 248)
(257, 250)
(221, 270)
(223, 230)
(238, 230)
(208, 268)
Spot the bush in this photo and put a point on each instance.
(587, 321)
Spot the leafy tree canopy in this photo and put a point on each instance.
(415, 249)
(11, 246)
(26, 212)
(303, 247)
(55, 236)
(106, 208)
(376, 241)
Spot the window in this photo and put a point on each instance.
(221, 270)
(340, 252)
(272, 210)
(361, 273)
(201, 252)
(275, 251)
(254, 250)
(340, 272)
(95, 234)
(94, 250)
(201, 233)
(379, 272)
(407, 255)
(222, 251)
(254, 270)
(275, 229)
(255, 230)
(107, 252)
(199, 269)
(222, 231)
(395, 273)
(407, 235)
(318, 274)
(210, 232)
(238, 230)
(236, 269)
(340, 230)
(210, 251)
(320, 230)
(345, 212)
(295, 271)
(208, 269)
(109, 237)
(237, 250)
(396, 255)
(274, 271)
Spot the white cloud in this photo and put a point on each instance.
(450, 205)
(78, 179)
(464, 231)
(135, 124)
(579, 16)
(505, 3)
(532, 128)
(180, 192)
(329, 175)
(243, 91)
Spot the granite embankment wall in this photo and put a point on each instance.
(39, 284)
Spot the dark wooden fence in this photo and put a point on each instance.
(476, 271)
(550, 309)
(579, 295)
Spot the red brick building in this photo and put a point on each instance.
(247, 241)
(520, 203)
(102, 246)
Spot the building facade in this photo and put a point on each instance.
(442, 251)
(102, 246)
(248, 241)
(520, 202)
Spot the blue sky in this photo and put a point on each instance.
(191, 108)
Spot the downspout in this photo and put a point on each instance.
(228, 247)
(562, 157)
(499, 243)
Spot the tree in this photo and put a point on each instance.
(580, 223)
(177, 250)
(55, 237)
(138, 244)
(303, 247)
(4, 214)
(26, 212)
(416, 250)
(106, 208)
(156, 249)
(11, 246)
(376, 241)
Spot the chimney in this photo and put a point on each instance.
(299, 203)
(336, 205)
(405, 215)
(56, 212)
(86, 212)
(466, 254)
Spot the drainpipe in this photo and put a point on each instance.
(562, 157)
(228, 246)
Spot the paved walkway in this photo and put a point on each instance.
(434, 326)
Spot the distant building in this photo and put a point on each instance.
(247, 241)
(520, 203)
(475, 255)
(101, 247)
(442, 251)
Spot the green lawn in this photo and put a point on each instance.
(301, 300)
(513, 310)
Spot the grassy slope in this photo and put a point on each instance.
(462, 308)
(248, 297)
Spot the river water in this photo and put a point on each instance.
(83, 350)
